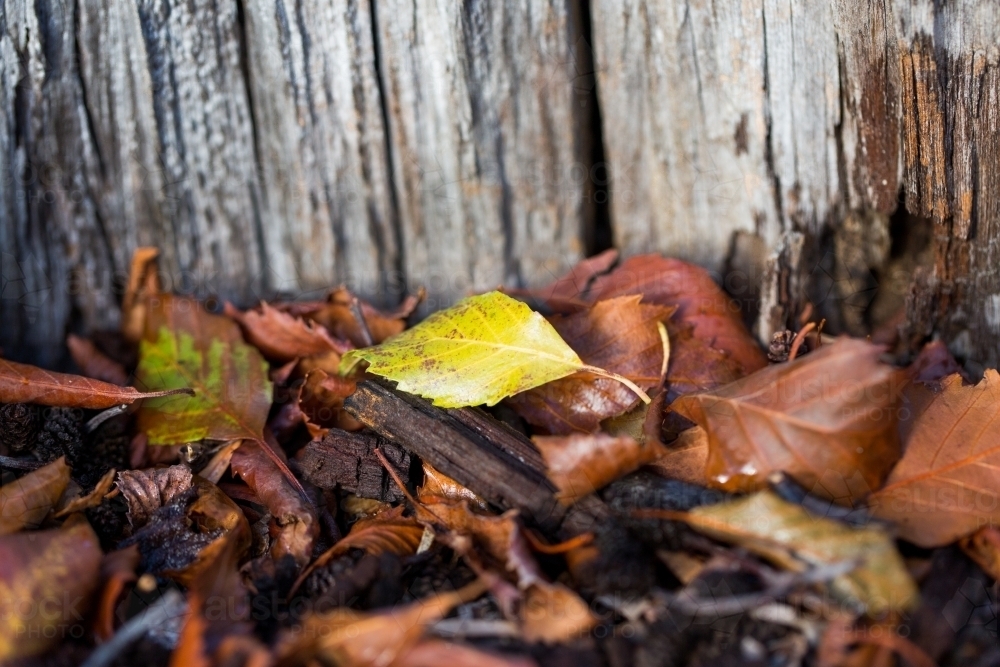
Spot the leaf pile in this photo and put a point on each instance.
(602, 471)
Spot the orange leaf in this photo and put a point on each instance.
(94, 363)
(827, 419)
(619, 335)
(946, 484)
(143, 283)
(580, 464)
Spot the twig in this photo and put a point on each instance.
(366, 333)
(169, 606)
(799, 339)
(665, 339)
(104, 416)
(19, 464)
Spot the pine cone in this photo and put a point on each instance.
(104, 449)
(18, 426)
(62, 435)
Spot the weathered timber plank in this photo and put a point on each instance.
(473, 456)
(348, 460)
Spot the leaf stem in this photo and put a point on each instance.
(614, 376)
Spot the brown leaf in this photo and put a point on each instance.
(117, 571)
(295, 517)
(945, 486)
(566, 294)
(827, 419)
(699, 301)
(21, 383)
(933, 364)
(336, 315)
(619, 335)
(386, 532)
(25, 502)
(348, 637)
(281, 337)
(143, 283)
(436, 652)
(94, 363)
(580, 464)
(46, 581)
(685, 458)
(695, 365)
(145, 491)
(321, 400)
(438, 487)
(553, 613)
(86, 501)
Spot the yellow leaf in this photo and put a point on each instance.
(481, 350)
(793, 538)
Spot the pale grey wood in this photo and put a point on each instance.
(479, 97)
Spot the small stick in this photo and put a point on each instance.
(614, 376)
(366, 333)
(799, 339)
(104, 416)
(665, 339)
(19, 464)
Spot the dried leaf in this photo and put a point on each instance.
(552, 614)
(281, 337)
(21, 383)
(117, 571)
(983, 547)
(143, 283)
(321, 400)
(438, 487)
(92, 499)
(685, 458)
(481, 350)
(349, 637)
(295, 517)
(619, 335)
(25, 502)
(789, 536)
(94, 363)
(436, 652)
(827, 419)
(145, 491)
(580, 464)
(699, 301)
(338, 317)
(386, 532)
(566, 294)
(945, 486)
(184, 346)
(46, 581)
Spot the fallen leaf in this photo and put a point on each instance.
(86, 501)
(94, 363)
(294, 517)
(566, 294)
(552, 613)
(481, 350)
(281, 337)
(791, 537)
(983, 546)
(671, 282)
(823, 419)
(207, 514)
(117, 572)
(945, 486)
(25, 502)
(321, 400)
(438, 487)
(386, 532)
(580, 464)
(348, 637)
(436, 652)
(933, 364)
(695, 365)
(184, 346)
(685, 458)
(620, 335)
(22, 383)
(338, 317)
(143, 283)
(46, 581)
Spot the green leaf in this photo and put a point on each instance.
(184, 346)
(787, 534)
(482, 350)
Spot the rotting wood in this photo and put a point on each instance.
(348, 461)
(475, 450)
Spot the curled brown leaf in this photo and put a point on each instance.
(24, 503)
